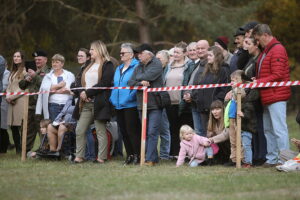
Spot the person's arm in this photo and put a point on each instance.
(278, 66)
(133, 81)
(151, 73)
(223, 136)
(181, 156)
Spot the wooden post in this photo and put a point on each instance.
(24, 132)
(238, 130)
(144, 126)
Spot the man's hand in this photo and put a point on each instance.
(31, 73)
(145, 83)
(187, 97)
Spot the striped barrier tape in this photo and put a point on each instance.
(189, 87)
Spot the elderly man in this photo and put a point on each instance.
(272, 65)
(32, 82)
(149, 74)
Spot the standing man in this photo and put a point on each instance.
(202, 47)
(239, 37)
(149, 74)
(272, 65)
(32, 81)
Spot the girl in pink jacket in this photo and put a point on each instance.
(192, 145)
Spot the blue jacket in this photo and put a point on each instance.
(124, 98)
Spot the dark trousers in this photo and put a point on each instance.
(130, 127)
(4, 140)
(259, 143)
(32, 129)
(16, 137)
(204, 120)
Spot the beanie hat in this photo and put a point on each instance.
(223, 41)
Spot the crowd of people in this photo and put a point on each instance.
(198, 126)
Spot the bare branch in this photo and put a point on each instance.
(90, 15)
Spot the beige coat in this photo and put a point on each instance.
(15, 112)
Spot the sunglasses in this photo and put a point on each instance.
(123, 53)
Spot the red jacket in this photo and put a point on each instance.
(274, 67)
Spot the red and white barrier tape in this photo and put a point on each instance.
(188, 87)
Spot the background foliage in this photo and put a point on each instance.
(63, 26)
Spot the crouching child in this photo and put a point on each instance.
(193, 146)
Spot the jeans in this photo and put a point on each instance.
(165, 137)
(209, 152)
(54, 110)
(197, 123)
(276, 131)
(246, 141)
(153, 126)
(194, 163)
(90, 145)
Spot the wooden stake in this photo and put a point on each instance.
(24, 132)
(144, 127)
(238, 130)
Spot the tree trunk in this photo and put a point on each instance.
(143, 25)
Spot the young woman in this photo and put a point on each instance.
(84, 59)
(125, 104)
(259, 139)
(177, 73)
(16, 102)
(94, 105)
(217, 132)
(216, 71)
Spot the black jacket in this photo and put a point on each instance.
(102, 106)
(204, 97)
(151, 72)
(249, 121)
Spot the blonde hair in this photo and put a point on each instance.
(237, 74)
(185, 129)
(59, 58)
(102, 52)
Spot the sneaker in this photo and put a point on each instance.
(136, 159)
(149, 163)
(288, 166)
(245, 165)
(128, 160)
(229, 164)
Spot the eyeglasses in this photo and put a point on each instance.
(123, 53)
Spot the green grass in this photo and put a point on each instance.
(40, 179)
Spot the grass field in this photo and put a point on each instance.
(38, 179)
